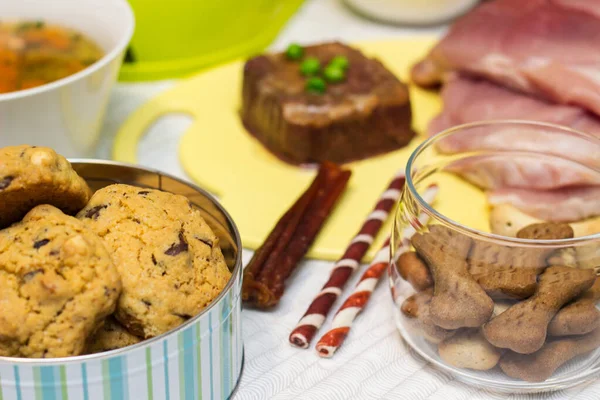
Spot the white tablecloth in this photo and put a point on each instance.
(374, 363)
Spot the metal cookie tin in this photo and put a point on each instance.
(201, 359)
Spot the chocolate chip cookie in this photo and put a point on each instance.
(112, 335)
(30, 176)
(168, 257)
(57, 285)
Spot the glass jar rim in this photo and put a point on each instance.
(514, 241)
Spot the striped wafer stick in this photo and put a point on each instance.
(319, 308)
(342, 321)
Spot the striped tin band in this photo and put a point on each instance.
(17, 382)
(224, 332)
(202, 361)
(198, 362)
(187, 365)
(212, 379)
(86, 395)
(166, 369)
(149, 374)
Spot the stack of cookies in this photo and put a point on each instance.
(528, 310)
(84, 272)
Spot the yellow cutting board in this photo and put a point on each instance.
(257, 188)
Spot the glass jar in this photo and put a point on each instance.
(511, 314)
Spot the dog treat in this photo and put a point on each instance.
(469, 349)
(506, 220)
(417, 307)
(318, 309)
(522, 328)
(404, 245)
(354, 304)
(458, 301)
(546, 231)
(511, 272)
(292, 236)
(502, 272)
(539, 366)
(343, 319)
(579, 317)
(412, 269)
(412, 304)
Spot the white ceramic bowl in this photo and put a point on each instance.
(67, 114)
(412, 12)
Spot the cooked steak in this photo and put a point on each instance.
(366, 114)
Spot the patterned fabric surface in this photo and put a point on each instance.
(373, 363)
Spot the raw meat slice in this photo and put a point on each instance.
(548, 48)
(524, 172)
(468, 100)
(565, 205)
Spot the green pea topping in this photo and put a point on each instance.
(294, 52)
(334, 74)
(315, 85)
(340, 62)
(310, 66)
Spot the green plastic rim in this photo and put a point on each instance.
(178, 68)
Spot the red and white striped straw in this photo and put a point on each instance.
(354, 304)
(317, 311)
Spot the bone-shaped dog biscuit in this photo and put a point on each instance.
(565, 257)
(469, 349)
(503, 274)
(414, 303)
(523, 327)
(413, 270)
(458, 301)
(417, 306)
(511, 272)
(539, 366)
(546, 231)
(579, 317)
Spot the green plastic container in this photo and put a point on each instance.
(174, 38)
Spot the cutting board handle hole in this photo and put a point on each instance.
(161, 140)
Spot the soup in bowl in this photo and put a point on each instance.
(33, 53)
(58, 67)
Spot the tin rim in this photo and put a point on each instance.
(234, 275)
